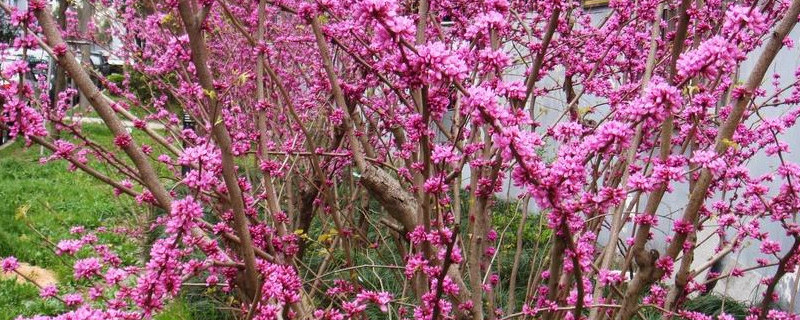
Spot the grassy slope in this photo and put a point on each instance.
(56, 199)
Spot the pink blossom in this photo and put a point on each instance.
(436, 185)
(743, 22)
(436, 63)
(659, 99)
(114, 276)
(123, 141)
(69, 247)
(609, 277)
(72, 299)
(444, 154)
(183, 215)
(666, 264)
(9, 264)
(415, 263)
(485, 21)
(682, 226)
(381, 299)
(48, 291)
(708, 159)
(86, 268)
(770, 247)
(713, 57)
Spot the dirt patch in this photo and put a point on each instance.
(40, 276)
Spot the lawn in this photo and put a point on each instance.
(43, 201)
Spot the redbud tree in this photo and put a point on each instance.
(380, 131)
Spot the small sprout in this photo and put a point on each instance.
(243, 78)
(167, 19)
(210, 93)
(22, 212)
(730, 143)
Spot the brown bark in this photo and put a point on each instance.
(398, 202)
(103, 108)
(617, 219)
(199, 55)
(85, 13)
(530, 82)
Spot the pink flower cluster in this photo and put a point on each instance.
(744, 24)
(9, 264)
(714, 57)
(86, 268)
(659, 100)
(434, 64)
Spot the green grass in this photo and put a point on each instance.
(136, 110)
(22, 299)
(56, 200)
(711, 305)
(714, 305)
(46, 200)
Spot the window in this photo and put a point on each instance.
(447, 21)
(594, 3)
